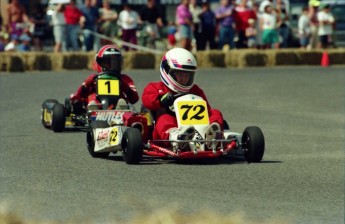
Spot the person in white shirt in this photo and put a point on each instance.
(304, 30)
(326, 21)
(128, 21)
(268, 25)
(59, 28)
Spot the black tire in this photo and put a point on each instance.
(68, 107)
(44, 106)
(132, 146)
(253, 144)
(91, 140)
(58, 118)
(226, 125)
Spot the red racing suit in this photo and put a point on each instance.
(164, 119)
(87, 91)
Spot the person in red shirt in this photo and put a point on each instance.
(109, 60)
(177, 71)
(73, 18)
(242, 14)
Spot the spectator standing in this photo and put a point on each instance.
(59, 28)
(108, 18)
(326, 21)
(251, 33)
(184, 21)
(208, 26)
(16, 18)
(224, 15)
(242, 15)
(152, 19)
(283, 27)
(256, 7)
(314, 24)
(73, 17)
(195, 9)
(304, 30)
(128, 21)
(40, 24)
(89, 22)
(268, 24)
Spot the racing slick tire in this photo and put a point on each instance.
(58, 118)
(253, 144)
(91, 140)
(226, 125)
(132, 146)
(44, 111)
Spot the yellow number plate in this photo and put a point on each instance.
(114, 136)
(108, 87)
(192, 112)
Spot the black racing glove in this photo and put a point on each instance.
(167, 99)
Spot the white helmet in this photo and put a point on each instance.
(175, 63)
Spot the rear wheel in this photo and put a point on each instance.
(58, 118)
(132, 146)
(90, 139)
(44, 111)
(253, 144)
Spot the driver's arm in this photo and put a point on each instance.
(151, 96)
(84, 90)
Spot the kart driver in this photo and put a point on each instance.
(177, 71)
(108, 60)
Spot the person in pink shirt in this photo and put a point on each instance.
(73, 17)
(184, 21)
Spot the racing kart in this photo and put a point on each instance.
(131, 133)
(58, 116)
(192, 110)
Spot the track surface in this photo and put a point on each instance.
(50, 176)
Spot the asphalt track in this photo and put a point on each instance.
(51, 176)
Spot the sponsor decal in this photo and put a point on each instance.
(103, 134)
(110, 116)
(114, 136)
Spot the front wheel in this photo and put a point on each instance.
(90, 139)
(253, 144)
(44, 112)
(132, 146)
(58, 118)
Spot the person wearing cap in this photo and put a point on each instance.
(326, 21)
(312, 14)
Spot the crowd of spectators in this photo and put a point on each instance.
(233, 23)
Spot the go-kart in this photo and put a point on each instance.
(131, 133)
(192, 110)
(58, 116)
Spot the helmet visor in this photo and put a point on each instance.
(184, 78)
(110, 62)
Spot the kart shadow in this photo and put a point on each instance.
(149, 160)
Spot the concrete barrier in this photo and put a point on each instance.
(40, 61)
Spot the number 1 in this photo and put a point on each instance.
(108, 84)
